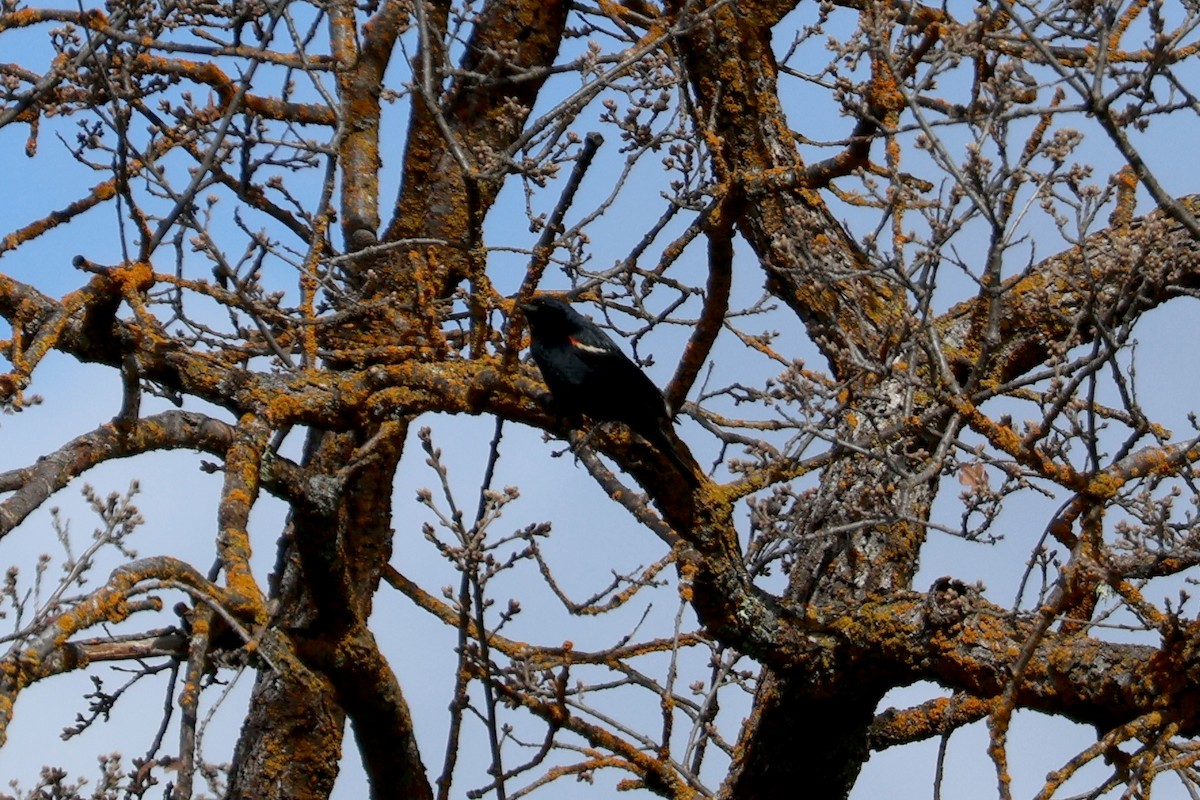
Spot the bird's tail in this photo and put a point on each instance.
(666, 442)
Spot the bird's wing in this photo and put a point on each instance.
(602, 353)
(586, 347)
(604, 358)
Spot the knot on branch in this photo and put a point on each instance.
(11, 385)
(949, 601)
(131, 278)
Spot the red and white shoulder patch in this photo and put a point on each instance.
(587, 348)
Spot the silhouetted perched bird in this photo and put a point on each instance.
(589, 375)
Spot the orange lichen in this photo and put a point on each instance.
(134, 277)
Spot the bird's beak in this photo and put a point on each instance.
(526, 307)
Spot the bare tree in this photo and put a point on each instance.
(316, 222)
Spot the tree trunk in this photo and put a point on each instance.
(330, 567)
(797, 744)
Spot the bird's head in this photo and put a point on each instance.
(550, 315)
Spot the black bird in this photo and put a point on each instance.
(588, 375)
